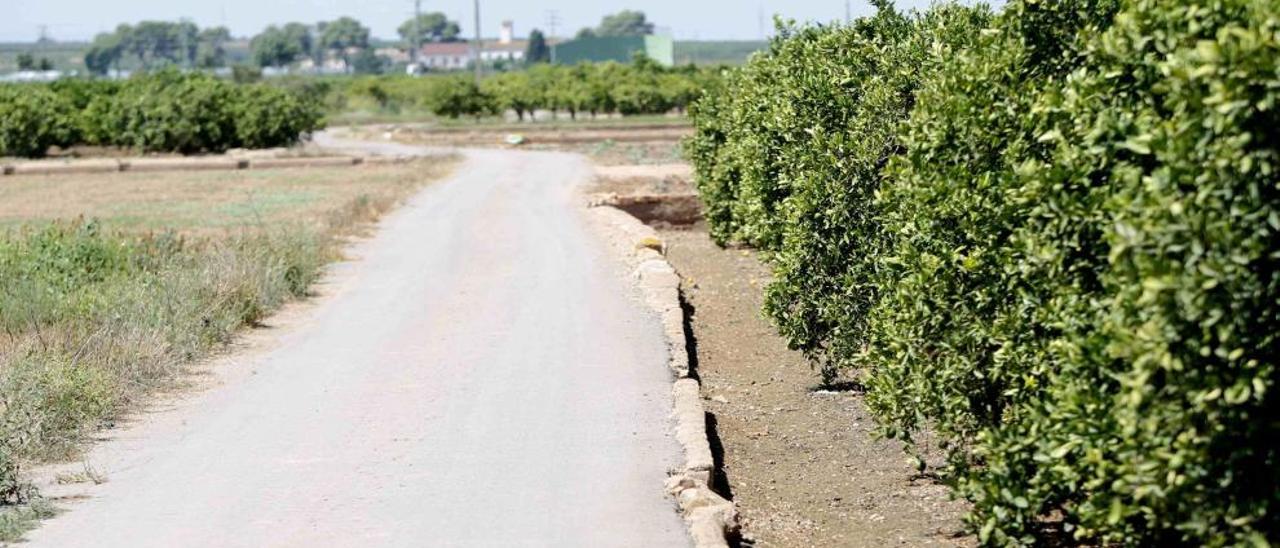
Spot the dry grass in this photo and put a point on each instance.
(209, 202)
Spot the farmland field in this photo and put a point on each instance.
(208, 202)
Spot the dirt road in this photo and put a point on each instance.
(480, 376)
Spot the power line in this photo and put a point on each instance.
(553, 21)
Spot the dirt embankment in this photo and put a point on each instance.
(803, 464)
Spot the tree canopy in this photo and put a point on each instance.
(302, 35)
(275, 47)
(211, 51)
(431, 27)
(343, 35)
(159, 43)
(625, 23)
(537, 50)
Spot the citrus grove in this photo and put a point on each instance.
(1044, 238)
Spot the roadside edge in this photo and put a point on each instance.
(711, 519)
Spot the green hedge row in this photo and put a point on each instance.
(1049, 239)
(161, 112)
(642, 87)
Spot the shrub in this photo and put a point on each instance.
(1150, 230)
(796, 170)
(953, 202)
(32, 119)
(457, 96)
(843, 133)
(748, 167)
(271, 117)
(163, 112)
(603, 88)
(1054, 246)
(515, 92)
(168, 112)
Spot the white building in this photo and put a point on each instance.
(458, 55)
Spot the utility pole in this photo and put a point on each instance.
(416, 44)
(848, 13)
(479, 44)
(553, 21)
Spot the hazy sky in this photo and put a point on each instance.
(683, 19)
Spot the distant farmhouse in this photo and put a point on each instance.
(458, 55)
(616, 48)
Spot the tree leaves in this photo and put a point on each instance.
(1059, 256)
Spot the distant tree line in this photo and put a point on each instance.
(158, 43)
(27, 61)
(344, 38)
(642, 87)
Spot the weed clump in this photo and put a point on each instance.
(91, 321)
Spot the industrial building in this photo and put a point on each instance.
(616, 48)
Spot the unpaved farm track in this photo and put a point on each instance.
(481, 376)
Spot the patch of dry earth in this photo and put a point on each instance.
(803, 465)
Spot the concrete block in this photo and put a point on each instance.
(60, 167)
(318, 161)
(185, 164)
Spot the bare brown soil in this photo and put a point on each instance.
(803, 464)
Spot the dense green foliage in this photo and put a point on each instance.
(428, 27)
(158, 43)
(1052, 244)
(457, 96)
(32, 119)
(537, 51)
(642, 87)
(166, 111)
(277, 47)
(791, 156)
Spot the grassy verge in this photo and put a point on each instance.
(96, 315)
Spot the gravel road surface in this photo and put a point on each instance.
(480, 375)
